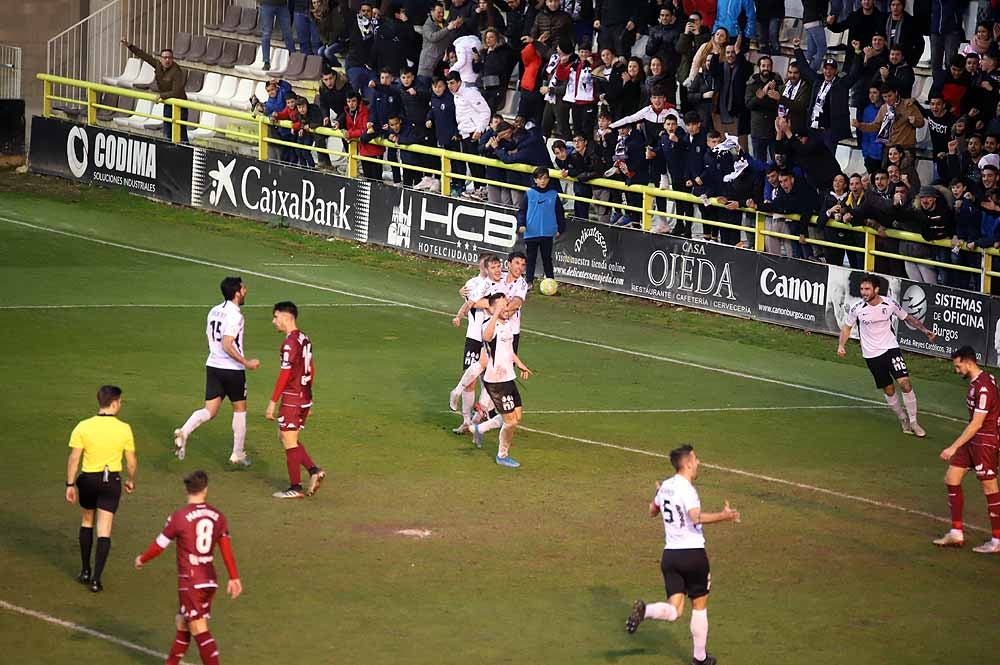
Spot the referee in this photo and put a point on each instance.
(100, 441)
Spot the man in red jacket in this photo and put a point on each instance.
(355, 122)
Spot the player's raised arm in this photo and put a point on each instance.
(654, 508)
(727, 514)
(490, 331)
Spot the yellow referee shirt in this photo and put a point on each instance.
(103, 439)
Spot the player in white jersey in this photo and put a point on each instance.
(515, 289)
(684, 562)
(224, 371)
(476, 291)
(498, 361)
(874, 314)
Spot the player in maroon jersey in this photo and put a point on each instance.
(196, 527)
(294, 389)
(975, 448)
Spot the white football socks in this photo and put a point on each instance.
(661, 612)
(469, 377)
(197, 418)
(910, 402)
(485, 401)
(491, 423)
(239, 432)
(699, 632)
(506, 435)
(468, 398)
(893, 402)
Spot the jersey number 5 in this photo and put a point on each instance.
(668, 514)
(203, 540)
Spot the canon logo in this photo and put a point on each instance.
(792, 288)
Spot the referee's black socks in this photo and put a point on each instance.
(86, 543)
(103, 548)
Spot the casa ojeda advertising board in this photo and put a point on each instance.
(138, 164)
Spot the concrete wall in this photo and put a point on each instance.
(30, 24)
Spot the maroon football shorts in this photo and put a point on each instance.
(980, 455)
(196, 603)
(292, 418)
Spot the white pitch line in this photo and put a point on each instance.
(191, 306)
(765, 478)
(300, 265)
(48, 618)
(722, 409)
(570, 340)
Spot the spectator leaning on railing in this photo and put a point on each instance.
(170, 81)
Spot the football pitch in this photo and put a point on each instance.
(419, 548)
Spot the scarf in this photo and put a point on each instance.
(894, 35)
(740, 163)
(572, 7)
(854, 203)
(884, 130)
(817, 111)
(550, 69)
(366, 26)
(790, 91)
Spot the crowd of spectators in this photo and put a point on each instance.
(700, 109)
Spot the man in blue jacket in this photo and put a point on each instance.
(541, 218)
(727, 15)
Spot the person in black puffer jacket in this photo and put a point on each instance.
(497, 62)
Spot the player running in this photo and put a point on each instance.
(684, 563)
(294, 389)
(975, 448)
(881, 350)
(225, 374)
(498, 364)
(475, 290)
(197, 528)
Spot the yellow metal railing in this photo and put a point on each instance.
(256, 128)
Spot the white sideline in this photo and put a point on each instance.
(715, 409)
(189, 306)
(570, 340)
(758, 476)
(48, 618)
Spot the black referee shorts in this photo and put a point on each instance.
(96, 492)
(687, 572)
(231, 383)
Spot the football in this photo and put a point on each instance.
(549, 286)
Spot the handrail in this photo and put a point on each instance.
(648, 192)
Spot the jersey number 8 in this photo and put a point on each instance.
(668, 514)
(203, 540)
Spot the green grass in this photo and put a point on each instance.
(537, 565)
